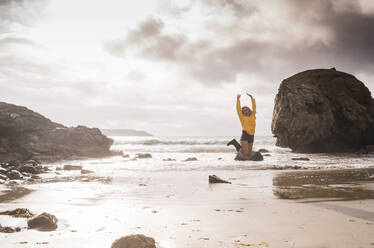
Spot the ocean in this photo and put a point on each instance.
(212, 153)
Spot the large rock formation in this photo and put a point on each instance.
(323, 110)
(25, 135)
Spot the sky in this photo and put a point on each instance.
(173, 67)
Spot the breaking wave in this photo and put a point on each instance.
(153, 142)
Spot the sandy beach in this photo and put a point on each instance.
(180, 209)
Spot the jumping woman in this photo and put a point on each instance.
(247, 118)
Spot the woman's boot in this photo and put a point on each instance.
(236, 144)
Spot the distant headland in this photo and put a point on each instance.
(124, 132)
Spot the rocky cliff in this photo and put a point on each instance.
(323, 110)
(25, 134)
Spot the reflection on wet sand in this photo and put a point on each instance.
(340, 185)
(13, 193)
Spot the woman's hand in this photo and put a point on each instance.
(238, 96)
(249, 95)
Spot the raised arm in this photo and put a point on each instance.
(253, 104)
(238, 107)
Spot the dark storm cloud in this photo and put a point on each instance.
(346, 43)
(152, 43)
(15, 13)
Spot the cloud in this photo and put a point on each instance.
(178, 70)
(151, 42)
(309, 34)
(241, 8)
(18, 14)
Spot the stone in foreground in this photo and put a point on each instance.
(323, 110)
(134, 241)
(43, 222)
(215, 179)
(18, 213)
(190, 159)
(255, 156)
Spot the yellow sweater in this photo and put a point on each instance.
(248, 122)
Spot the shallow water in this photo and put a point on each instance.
(212, 154)
(173, 202)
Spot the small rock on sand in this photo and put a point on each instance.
(215, 179)
(7, 229)
(301, 159)
(263, 150)
(18, 213)
(134, 241)
(43, 222)
(83, 171)
(72, 167)
(190, 159)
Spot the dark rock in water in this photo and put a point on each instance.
(33, 162)
(43, 222)
(14, 163)
(26, 135)
(169, 159)
(29, 169)
(14, 175)
(255, 156)
(84, 171)
(3, 177)
(301, 159)
(323, 111)
(215, 179)
(266, 155)
(18, 213)
(134, 241)
(126, 155)
(3, 171)
(263, 150)
(143, 155)
(116, 153)
(190, 159)
(72, 167)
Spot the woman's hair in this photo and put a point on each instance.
(246, 111)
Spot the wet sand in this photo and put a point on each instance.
(180, 209)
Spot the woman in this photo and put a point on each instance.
(248, 120)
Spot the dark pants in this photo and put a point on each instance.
(245, 137)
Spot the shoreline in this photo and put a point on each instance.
(180, 209)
